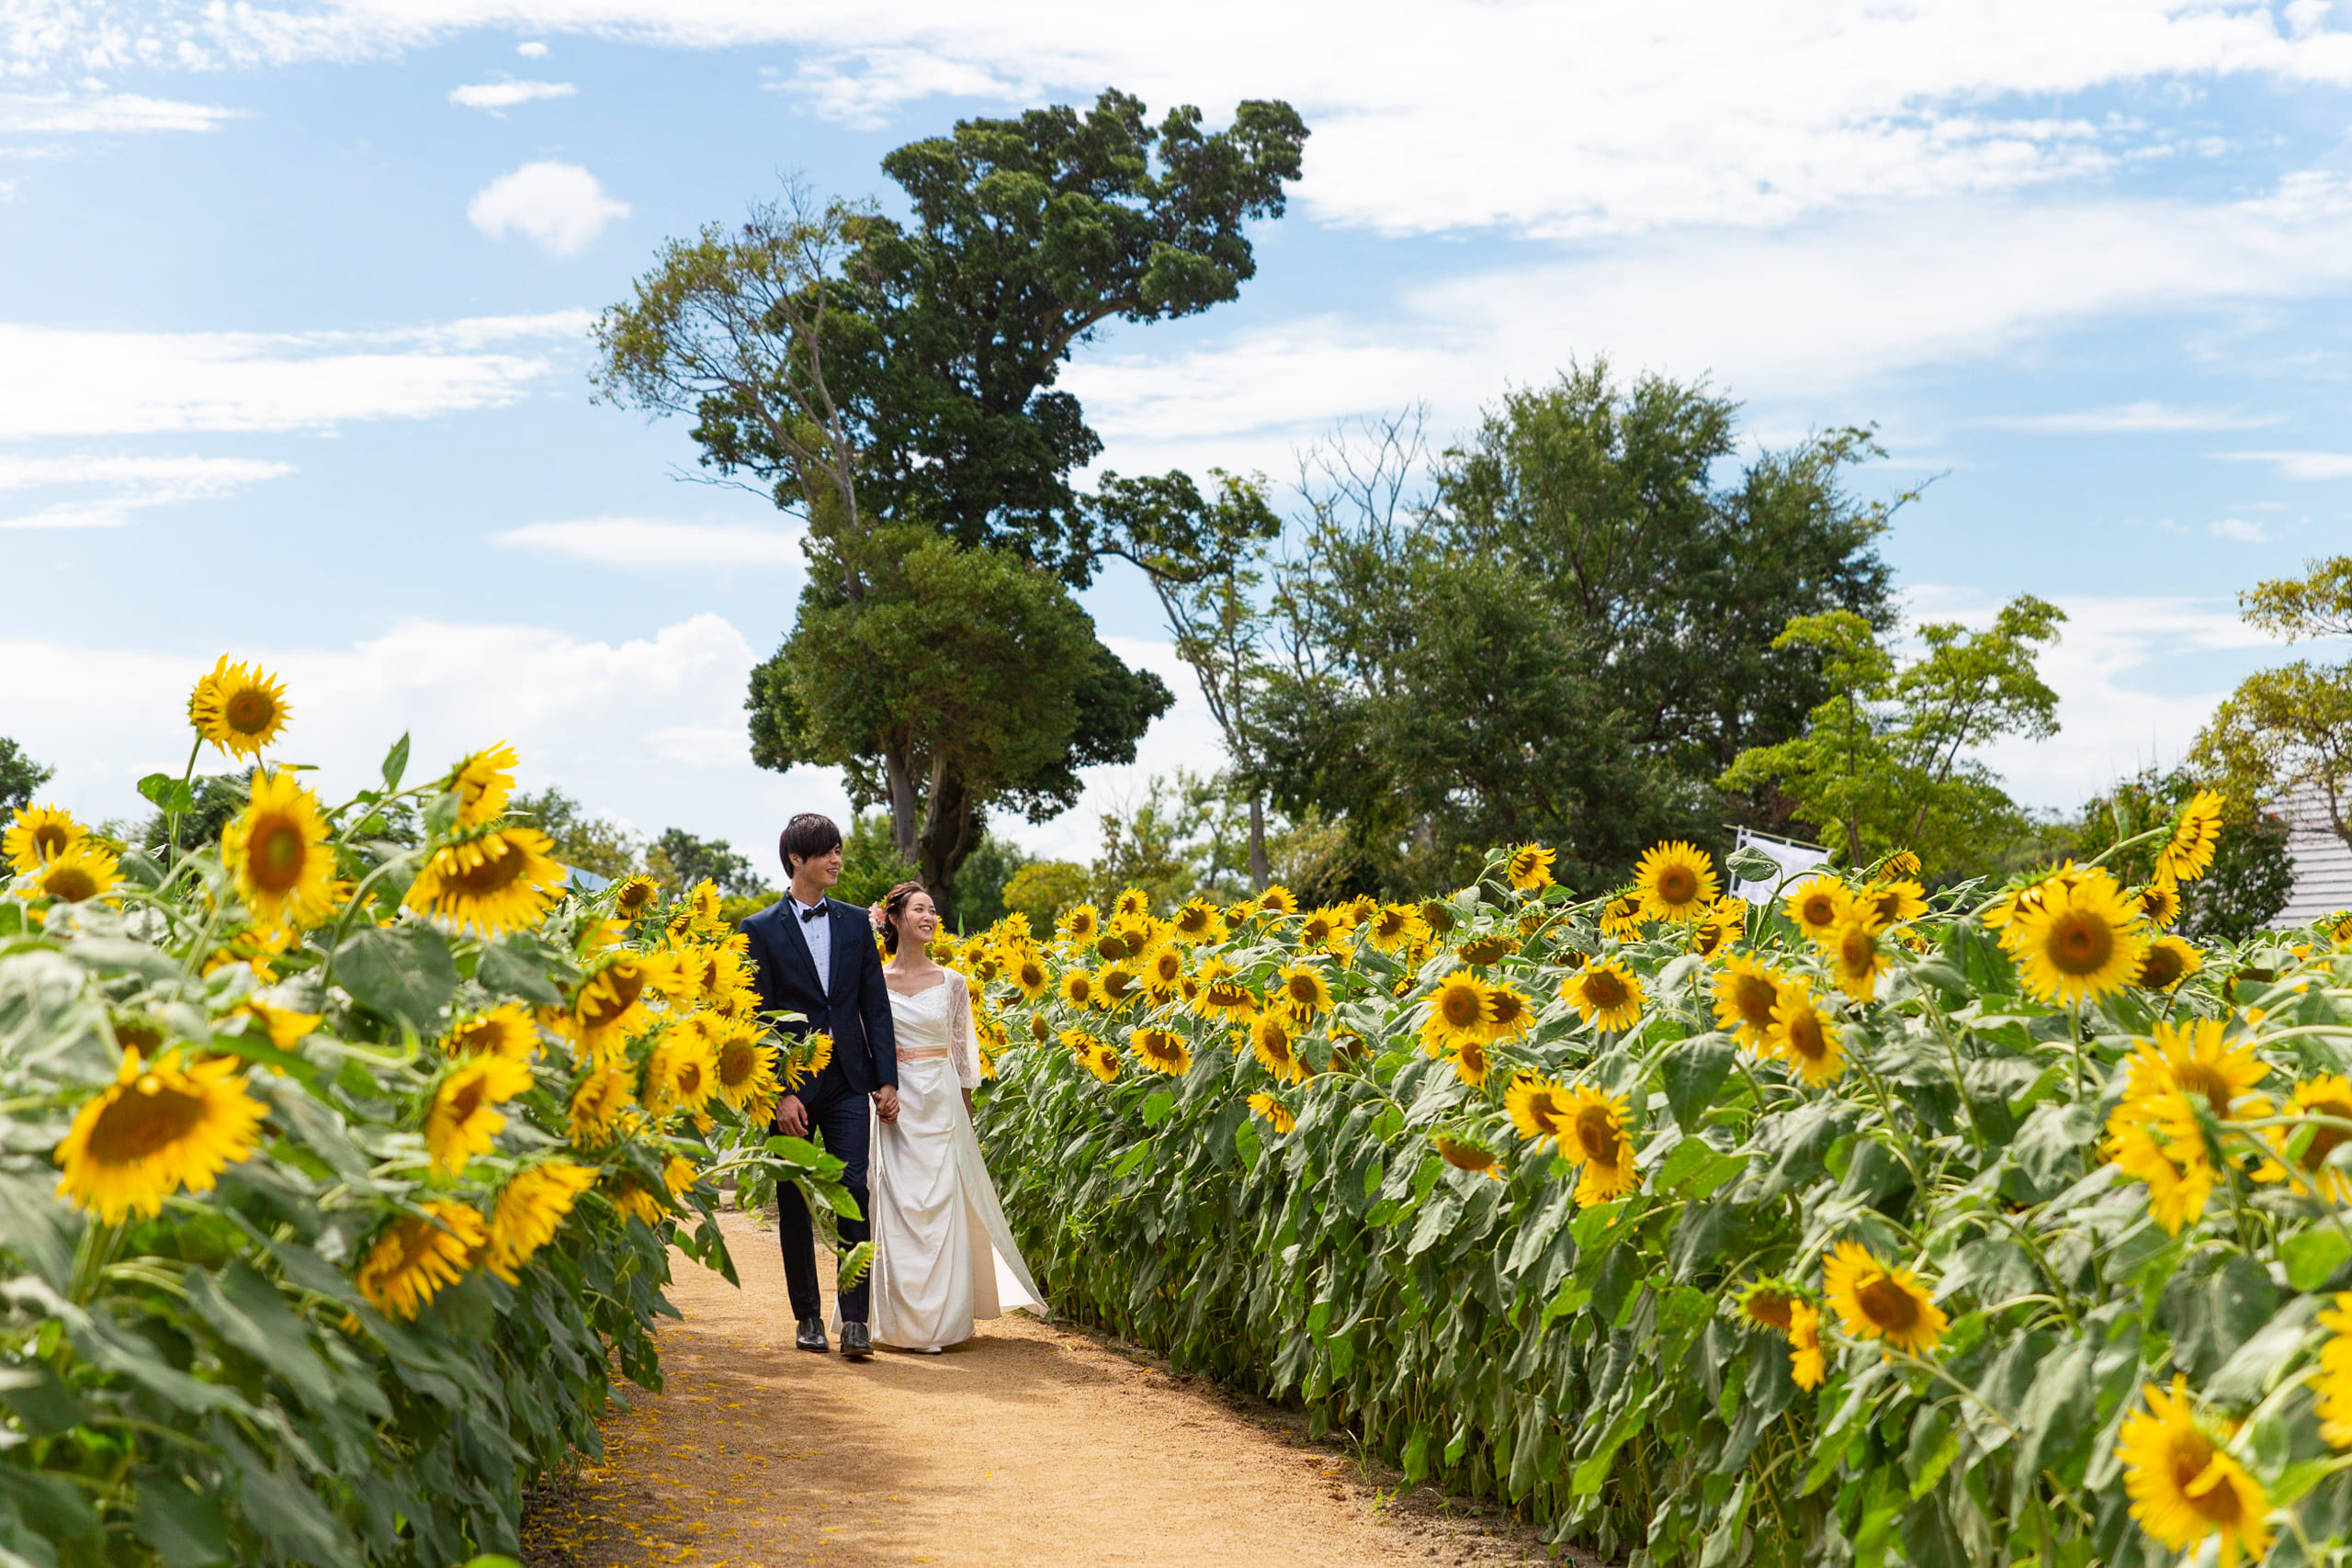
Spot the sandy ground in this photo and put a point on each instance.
(1030, 1445)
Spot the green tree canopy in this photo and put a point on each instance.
(2289, 728)
(19, 776)
(1569, 640)
(678, 860)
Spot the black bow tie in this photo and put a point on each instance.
(808, 915)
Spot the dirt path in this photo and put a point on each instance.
(1031, 1445)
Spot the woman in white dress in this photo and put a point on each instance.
(942, 1254)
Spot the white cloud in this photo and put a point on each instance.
(532, 49)
(129, 484)
(2301, 464)
(1604, 115)
(2130, 419)
(497, 95)
(69, 113)
(649, 544)
(560, 205)
(2244, 530)
(64, 382)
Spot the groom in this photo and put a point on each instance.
(814, 956)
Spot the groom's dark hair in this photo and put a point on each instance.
(805, 836)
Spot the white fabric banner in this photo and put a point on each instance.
(1795, 859)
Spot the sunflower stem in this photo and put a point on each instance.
(172, 817)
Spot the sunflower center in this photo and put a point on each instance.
(276, 853)
(2079, 944)
(50, 839)
(1805, 1037)
(1462, 1007)
(151, 1118)
(71, 883)
(1768, 1309)
(1543, 1110)
(1889, 906)
(2197, 1078)
(499, 867)
(690, 1080)
(1507, 1009)
(1855, 951)
(465, 1102)
(1820, 910)
(2191, 1454)
(1754, 998)
(615, 992)
(1596, 1137)
(736, 1065)
(1676, 886)
(250, 711)
(2325, 1141)
(1888, 1304)
(1604, 990)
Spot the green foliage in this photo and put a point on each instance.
(219, 1381)
(1044, 888)
(1570, 640)
(979, 885)
(1883, 763)
(2289, 728)
(2252, 876)
(871, 865)
(593, 843)
(19, 776)
(1587, 1361)
(678, 860)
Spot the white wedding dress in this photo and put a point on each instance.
(942, 1254)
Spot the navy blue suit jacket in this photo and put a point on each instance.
(852, 1004)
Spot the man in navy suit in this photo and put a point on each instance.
(815, 956)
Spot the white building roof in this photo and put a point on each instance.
(2322, 862)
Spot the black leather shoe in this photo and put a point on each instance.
(855, 1345)
(812, 1337)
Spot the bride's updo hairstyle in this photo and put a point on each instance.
(894, 904)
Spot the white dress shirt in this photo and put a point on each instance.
(819, 934)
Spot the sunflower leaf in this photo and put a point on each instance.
(403, 972)
(1693, 1071)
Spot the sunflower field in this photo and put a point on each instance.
(1859, 1224)
(340, 1161)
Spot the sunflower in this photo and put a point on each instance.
(1471, 1063)
(1117, 987)
(1745, 995)
(1301, 988)
(681, 1071)
(2155, 1139)
(1123, 938)
(1605, 993)
(678, 1174)
(1081, 923)
(2183, 1487)
(1529, 867)
(2077, 944)
(1273, 1111)
(1597, 1141)
(1326, 929)
(500, 881)
(604, 1098)
(2193, 1058)
(1621, 917)
(1132, 901)
(1029, 976)
(1161, 1050)
(529, 1209)
(413, 1259)
(1078, 988)
(1489, 949)
(1198, 923)
(1767, 1303)
(1457, 1013)
(2189, 852)
(1802, 1037)
(743, 1068)
(39, 833)
(2328, 1095)
(2158, 903)
(1806, 1364)
(157, 1128)
(463, 1119)
(1509, 1013)
(285, 1027)
(2167, 964)
(1276, 1048)
(1902, 863)
(505, 1031)
(1723, 924)
(481, 783)
(1676, 881)
(1819, 906)
(1102, 1061)
(1393, 925)
(1277, 902)
(78, 875)
(2334, 1379)
(1464, 1153)
(240, 710)
(1078, 1042)
(610, 1004)
(633, 895)
(1539, 1108)
(1163, 972)
(277, 851)
(631, 1194)
(1856, 960)
(1437, 916)
(1893, 903)
(1875, 1302)
(1225, 995)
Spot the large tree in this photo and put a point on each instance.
(1569, 635)
(890, 379)
(19, 776)
(2290, 729)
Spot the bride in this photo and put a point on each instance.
(942, 1255)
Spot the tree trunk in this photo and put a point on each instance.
(952, 831)
(906, 815)
(1259, 872)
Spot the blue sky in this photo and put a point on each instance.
(293, 302)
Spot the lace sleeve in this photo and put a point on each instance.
(962, 1050)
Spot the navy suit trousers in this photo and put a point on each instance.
(840, 1120)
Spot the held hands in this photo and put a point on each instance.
(792, 1117)
(886, 1102)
